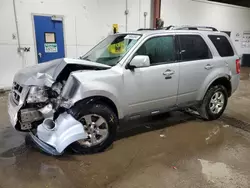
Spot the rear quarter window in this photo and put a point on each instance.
(222, 45)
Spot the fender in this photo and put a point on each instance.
(217, 73)
(94, 88)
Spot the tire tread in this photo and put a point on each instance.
(203, 110)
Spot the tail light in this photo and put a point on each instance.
(238, 66)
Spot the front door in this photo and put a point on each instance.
(49, 38)
(153, 89)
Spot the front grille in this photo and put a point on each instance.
(16, 92)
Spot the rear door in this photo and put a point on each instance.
(196, 64)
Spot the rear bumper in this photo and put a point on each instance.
(235, 81)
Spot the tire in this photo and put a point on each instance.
(112, 123)
(206, 107)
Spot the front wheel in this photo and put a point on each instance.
(214, 103)
(100, 123)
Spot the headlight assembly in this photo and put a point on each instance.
(37, 95)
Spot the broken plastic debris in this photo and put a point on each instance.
(174, 167)
(225, 126)
(162, 135)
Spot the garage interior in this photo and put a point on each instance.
(170, 150)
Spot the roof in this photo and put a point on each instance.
(151, 32)
(177, 29)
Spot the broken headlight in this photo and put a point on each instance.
(37, 95)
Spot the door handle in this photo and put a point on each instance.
(182, 51)
(40, 55)
(208, 66)
(168, 72)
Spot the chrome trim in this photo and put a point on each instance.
(14, 107)
(16, 92)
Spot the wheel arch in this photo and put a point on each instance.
(97, 99)
(223, 80)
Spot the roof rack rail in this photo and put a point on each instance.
(152, 29)
(172, 27)
(146, 29)
(169, 27)
(194, 28)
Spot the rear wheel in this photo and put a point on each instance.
(100, 123)
(214, 103)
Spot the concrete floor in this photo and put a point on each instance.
(176, 151)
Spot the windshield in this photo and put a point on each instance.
(112, 49)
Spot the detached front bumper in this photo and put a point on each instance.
(42, 145)
(66, 131)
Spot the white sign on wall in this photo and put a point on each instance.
(246, 40)
(237, 37)
(50, 48)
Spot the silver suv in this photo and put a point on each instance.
(80, 102)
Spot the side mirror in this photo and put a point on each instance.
(139, 61)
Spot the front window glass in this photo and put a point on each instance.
(112, 49)
(161, 50)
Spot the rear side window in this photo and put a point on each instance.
(193, 47)
(222, 45)
(161, 50)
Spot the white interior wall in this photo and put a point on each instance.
(221, 16)
(86, 22)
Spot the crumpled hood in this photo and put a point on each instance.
(46, 73)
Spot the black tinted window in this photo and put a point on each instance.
(159, 49)
(193, 47)
(222, 45)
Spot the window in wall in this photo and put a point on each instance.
(222, 45)
(193, 47)
(161, 50)
(50, 37)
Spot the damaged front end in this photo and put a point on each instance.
(36, 104)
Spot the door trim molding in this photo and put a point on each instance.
(34, 32)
